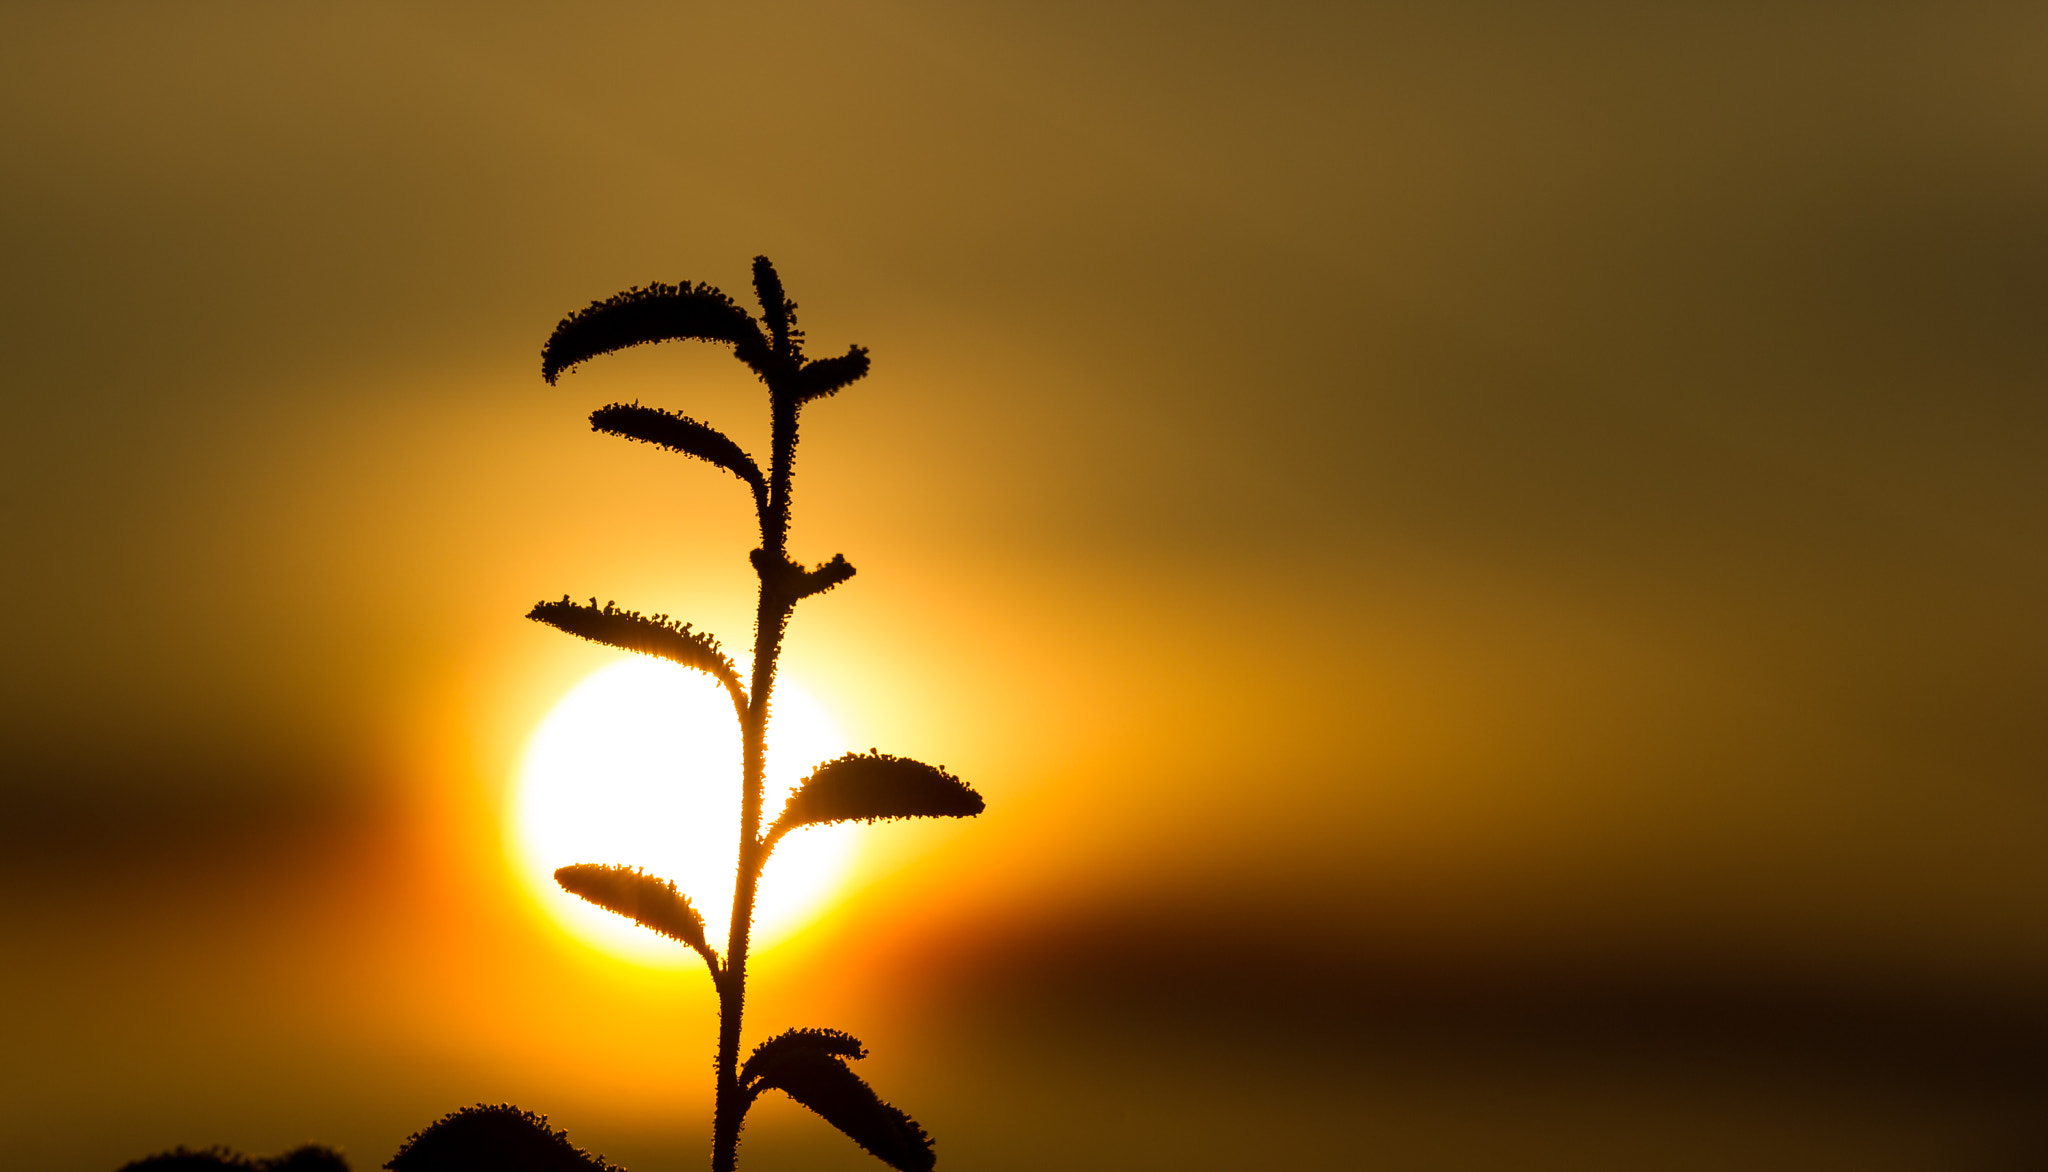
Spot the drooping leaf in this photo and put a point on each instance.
(827, 375)
(646, 900)
(629, 630)
(778, 312)
(780, 1048)
(658, 313)
(806, 1065)
(871, 785)
(494, 1138)
(679, 433)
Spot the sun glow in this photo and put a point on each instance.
(640, 764)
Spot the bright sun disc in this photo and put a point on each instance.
(640, 764)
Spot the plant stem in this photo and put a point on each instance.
(771, 619)
(730, 1109)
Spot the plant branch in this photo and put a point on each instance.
(808, 1065)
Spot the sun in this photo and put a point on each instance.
(640, 764)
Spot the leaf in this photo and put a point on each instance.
(823, 578)
(871, 785)
(629, 630)
(778, 1049)
(787, 582)
(778, 312)
(658, 313)
(827, 375)
(680, 433)
(647, 900)
(806, 1065)
(496, 1137)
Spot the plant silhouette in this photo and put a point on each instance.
(487, 1138)
(307, 1158)
(808, 1065)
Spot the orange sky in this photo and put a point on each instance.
(1446, 489)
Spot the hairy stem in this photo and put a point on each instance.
(781, 463)
(731, 1106)
(771, 619)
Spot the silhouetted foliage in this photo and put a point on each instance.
(642, 898)
(658, 313)
(777, 310)
(808, 1065)
(826, 375)
(499, 1138)
(865, 786)
(783, 1046)
(655, 635)
(789, 583)
(680, 433)
(308, 1158)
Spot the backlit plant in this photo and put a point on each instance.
(809, 1065)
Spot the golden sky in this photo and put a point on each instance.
(1542, 502)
